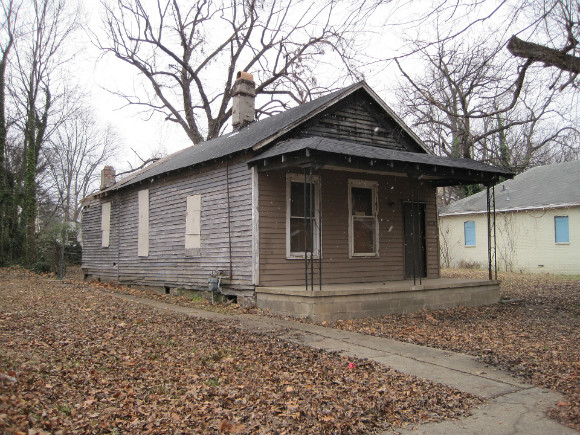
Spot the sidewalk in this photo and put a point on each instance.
(511, 406)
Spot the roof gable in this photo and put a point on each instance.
(540, 187)
(264, 132)
(360, 119)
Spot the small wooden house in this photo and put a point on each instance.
(326, 210)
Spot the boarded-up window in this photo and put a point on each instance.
(193, 226)
(469, 230)
(302, 231)
(143, 233)
(363, 218)
(562, 229)
(105, 224)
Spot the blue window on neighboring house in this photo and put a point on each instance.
(469, 233)
(562, 230)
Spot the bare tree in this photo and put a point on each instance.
(7, 200)
(556, 33)
(459, 107)
(38, 55)
(74, 153)
(29, 81)
(189, 52)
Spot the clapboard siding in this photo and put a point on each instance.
(337, 267)
(360, 121)
(99, 262)
(167, 264)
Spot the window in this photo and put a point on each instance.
(469, 229)
(105, 224)
(562, 230)
(363, 222)
(143, 234)
(193, 226)
(302, 211)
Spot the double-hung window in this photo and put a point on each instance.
(302, 212)
(363, 218)
(561, 229)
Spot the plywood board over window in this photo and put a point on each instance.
(363, 218)
(193, 226)
(105, 224)
(143, 234)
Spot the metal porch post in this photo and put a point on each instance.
(488, 197)
(319, 229)
(494, 233)
(311, 228)
(305, 237)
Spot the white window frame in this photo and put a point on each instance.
(374, 186)
(299, 178)
(143, 223)
(105, 224)
(193, 226)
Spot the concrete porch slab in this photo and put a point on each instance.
(350, 301)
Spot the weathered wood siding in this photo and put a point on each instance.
(98, 262)
(337, 267)
(359, 120)
(167, 263)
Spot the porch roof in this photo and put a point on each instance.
(324, 152)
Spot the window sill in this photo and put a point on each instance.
(470, 246)
(301, 257)
(562, 243)
(374, 255)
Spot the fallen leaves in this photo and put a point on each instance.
(89, 363)
(533, 333)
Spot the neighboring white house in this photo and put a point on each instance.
(537, 223)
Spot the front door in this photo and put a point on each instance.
(415, 246)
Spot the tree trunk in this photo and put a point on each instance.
(35, 130)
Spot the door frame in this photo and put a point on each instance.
(417, 267)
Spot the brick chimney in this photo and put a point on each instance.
(243, 96)
(107, 177)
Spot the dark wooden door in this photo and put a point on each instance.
(415, 246)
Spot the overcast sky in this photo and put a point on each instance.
(97, 73)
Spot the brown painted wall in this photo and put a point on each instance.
(337, 267)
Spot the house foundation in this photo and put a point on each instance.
(351, 301)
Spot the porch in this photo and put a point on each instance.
(350, 301)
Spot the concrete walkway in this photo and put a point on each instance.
(511, 406)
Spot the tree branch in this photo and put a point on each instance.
(548, 56)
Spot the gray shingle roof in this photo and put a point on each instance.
(243, 140)
(540, 187)
(372, 152)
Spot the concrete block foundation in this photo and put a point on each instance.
(351, 301)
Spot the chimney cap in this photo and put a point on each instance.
(245, 76)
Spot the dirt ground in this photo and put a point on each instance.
(75, 359)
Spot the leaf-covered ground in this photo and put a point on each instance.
(75, 359)
(534, 333)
